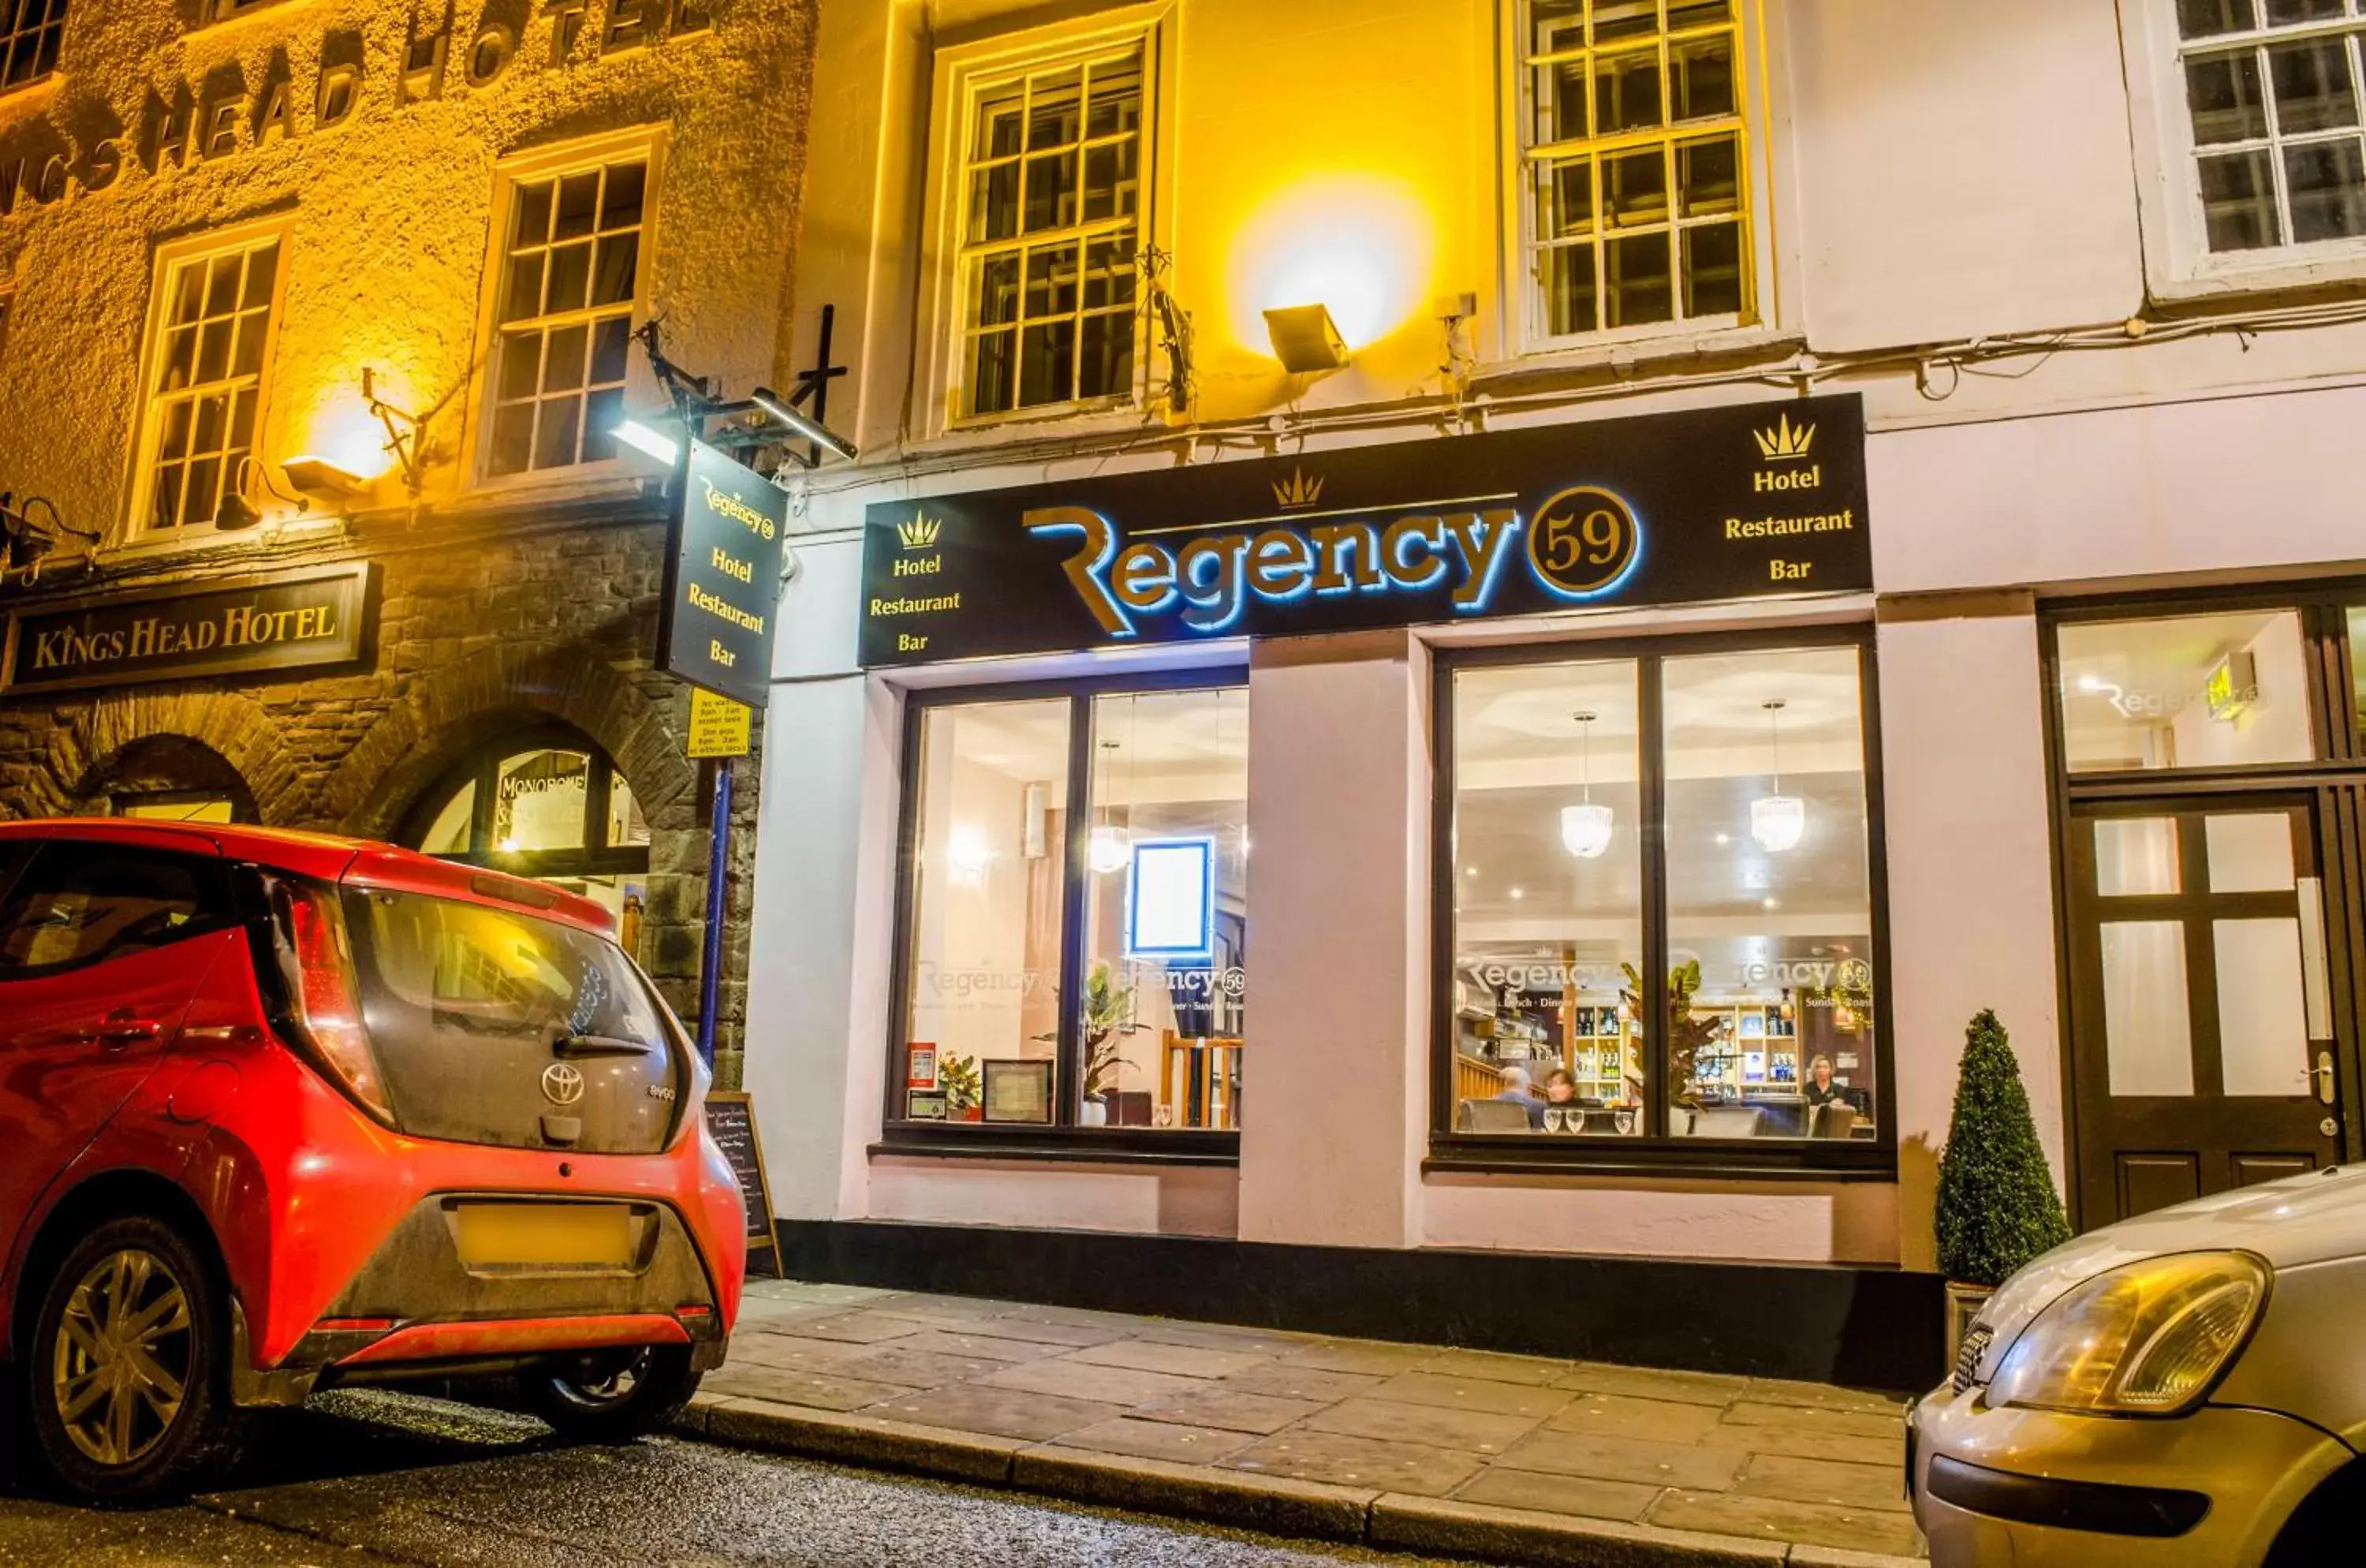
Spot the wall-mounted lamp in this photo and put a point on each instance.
(1305, 339)
(318, 476)
(644, 438)
(784, 410)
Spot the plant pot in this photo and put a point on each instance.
(1094, 1113)
(975, 1113)
(1964, 1303)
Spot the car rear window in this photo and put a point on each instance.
(436, 972)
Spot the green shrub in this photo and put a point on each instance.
(1997, 1205)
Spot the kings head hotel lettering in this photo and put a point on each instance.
(1715, 505)
(281, 624)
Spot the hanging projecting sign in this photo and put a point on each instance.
(723, 578)
(1718, 503)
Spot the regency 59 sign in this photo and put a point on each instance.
(1715, 504)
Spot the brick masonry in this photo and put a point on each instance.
(478, 633)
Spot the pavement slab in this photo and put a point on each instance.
(1525, 1459)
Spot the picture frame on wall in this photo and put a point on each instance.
(1017, 1090)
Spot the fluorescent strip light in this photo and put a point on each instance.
(772, 403)
(641, 438)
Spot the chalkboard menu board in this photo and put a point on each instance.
(732, 1119)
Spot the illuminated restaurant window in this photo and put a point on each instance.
(558, 810)
(571, 276)
(210, 354)
(1054, 168)
(29, 33)
(1700, 813)
(2227, 689)
(1074, 932)
(1634, 163)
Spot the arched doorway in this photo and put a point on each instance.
(171, 778)
(548, 804)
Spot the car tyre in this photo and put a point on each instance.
(613, 1396)
(127, 1378)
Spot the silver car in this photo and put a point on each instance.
(2185, 1387)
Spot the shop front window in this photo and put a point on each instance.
(1075, 925)
(557, 811)
(2207, 691)
(1663, 909)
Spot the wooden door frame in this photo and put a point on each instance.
(2338, 781)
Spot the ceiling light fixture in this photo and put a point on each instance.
(1777, 820)
(1585, 828)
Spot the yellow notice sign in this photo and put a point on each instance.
(718, 727)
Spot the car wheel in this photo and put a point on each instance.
(613, 1396)
(125, 1383)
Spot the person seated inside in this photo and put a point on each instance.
(1516, 1090)
(1821, 1090)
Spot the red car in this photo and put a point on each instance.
(280, 1111)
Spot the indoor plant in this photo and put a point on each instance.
(957, 1076)
(1109, 1017)
(1998, 1208)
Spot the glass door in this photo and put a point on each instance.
(2201, 1018)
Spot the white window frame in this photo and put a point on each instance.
(962, 72)
(2179, 263)
(141, 484)
(9, 34)
(1523, 324)
(647, 143)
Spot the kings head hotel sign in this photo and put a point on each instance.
(298, 621)
(723, 578)
(1715, 505)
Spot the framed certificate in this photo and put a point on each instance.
(1017, 1091)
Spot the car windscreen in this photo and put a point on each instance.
(494, 1025)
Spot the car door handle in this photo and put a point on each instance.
(119, 1032)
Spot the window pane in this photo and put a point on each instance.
(1568, 281)
(994, 291)
(1769, 909)
(1165, 989)
(570, 274)
(1110, 188)
(1700, 78)
(1709, 174)
(990, 792)
(2135, 856)
(538, 802)
(1556, 25)
(1105, 359)
(626, 826)
(1050, 192)
(1616, 19)
(993, 379)
(579, 201)
(2191, 691)
(2222, 94)
(994, 203)
(1561, 102)
(1713, 270)
(1047, 357)
(1117, 98)
(83, 903)
(2148, 1034)
(513, 438)
(2262, 1029)
(533, 215)
(2284, 13)
(2313, 88)
(1626, 92)
(1109, 271)
(448, 834)
(995, 134)
(261, 266)
(2250, 851)
(1051, 115)
(523, 297)
(1635, 189)
(1638, 282)
(562, 361)
(2208, 19)
(620, 199)
(2327, 184)
(618, 266)
(554, 430)
(1051, 281)
(1565, 199)
(2238, 202)
(1548, 901)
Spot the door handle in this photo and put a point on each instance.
(117, 1032)
(2323, 1074)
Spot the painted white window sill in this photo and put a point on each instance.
(2293, 268)
(1638, 356)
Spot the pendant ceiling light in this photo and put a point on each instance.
(1585, 828)
(1111, 846)
(1777, 820)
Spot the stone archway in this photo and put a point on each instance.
(456, 709)
(85, 752)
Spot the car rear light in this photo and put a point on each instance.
(694, 1310)
(353, 1326)
(316, 960)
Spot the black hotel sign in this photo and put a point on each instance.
(278, 623)
(723, 577)
(1714, 504)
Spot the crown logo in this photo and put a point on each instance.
(1296, 490)
(1784, 442)
(920, 533)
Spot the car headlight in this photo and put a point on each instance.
(2145, 1338)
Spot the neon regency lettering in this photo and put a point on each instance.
(1215, 575)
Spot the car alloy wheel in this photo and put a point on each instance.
(121, 1358)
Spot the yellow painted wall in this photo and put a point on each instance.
(386, 260)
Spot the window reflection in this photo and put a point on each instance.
(2185, 692)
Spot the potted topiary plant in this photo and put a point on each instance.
(1109, 1018)
(1997, 1205)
